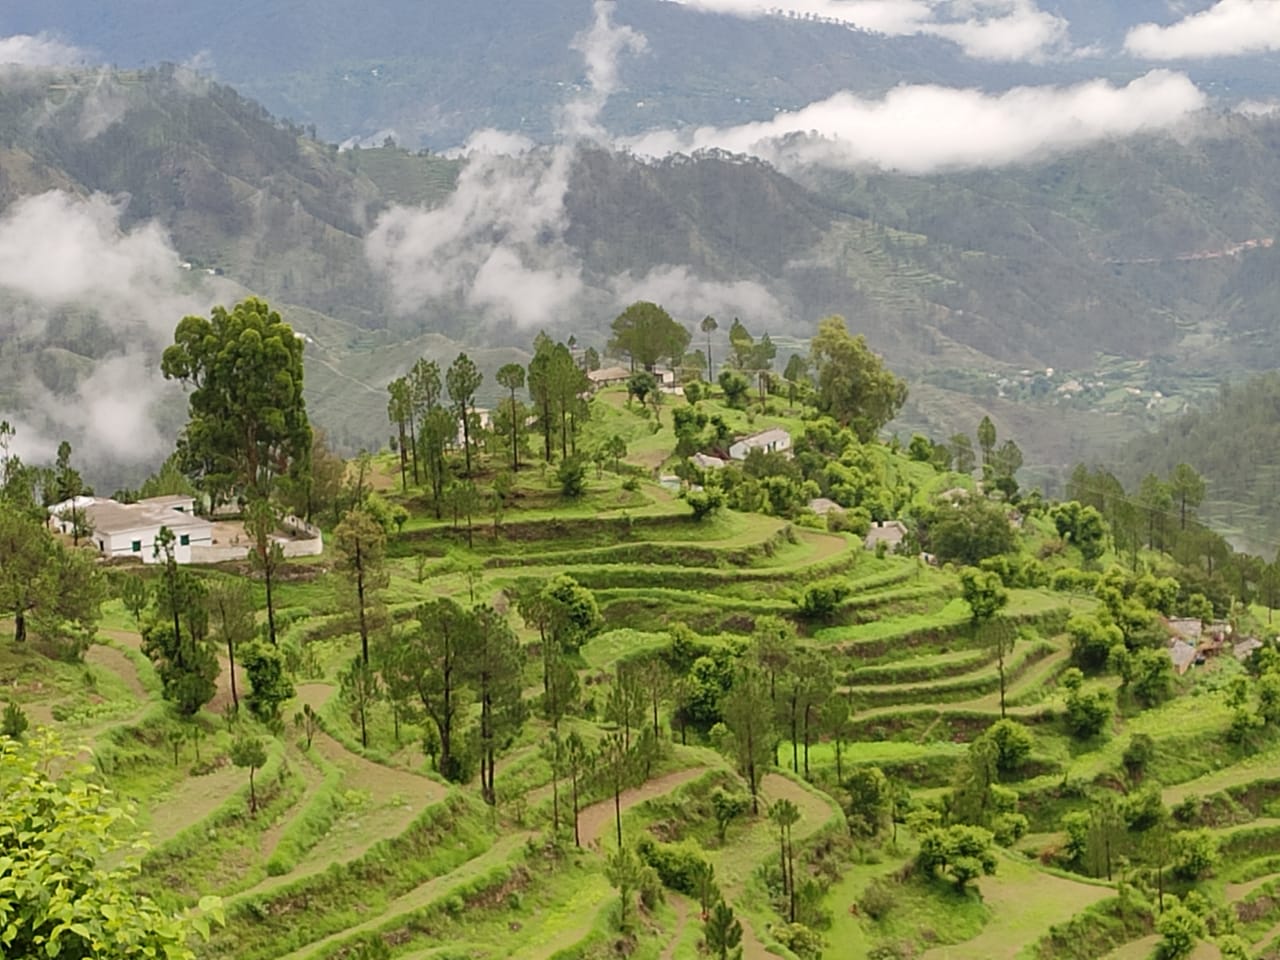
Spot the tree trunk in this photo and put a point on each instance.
(268, 576)
(231, 670)
(364, 627)
(791, 872)
(782, 860)
(577, 837)
(466, 438)
(555, 801)
(617, 809)
(364, 732)
(795, 747)
(413, 450)
(19, 626)
(253, 796)
(839, 752)
(515, 441)
(404, 458)
(806, 741)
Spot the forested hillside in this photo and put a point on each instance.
(963, 279)
(1235, 442)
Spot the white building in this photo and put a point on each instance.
(608, 376)
(705, 461)
(130, 529)
(776, 440)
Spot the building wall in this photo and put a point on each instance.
(120, 543)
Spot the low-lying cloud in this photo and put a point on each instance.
(39, 50)
(63, 253)
(927, 129)
(998, 30)
(497, 243)
(690, 298)
(1228, 28)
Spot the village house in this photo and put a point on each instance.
(1183, 655)
(823, 506)
(608, 376)
(705, 461)
(776, 440)
(889, 532)
(130, 529)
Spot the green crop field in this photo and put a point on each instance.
(875, 688)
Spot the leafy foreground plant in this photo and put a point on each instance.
(55, 897)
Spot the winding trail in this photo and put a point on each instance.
(595, 819)
(422, 895)
(681, 907)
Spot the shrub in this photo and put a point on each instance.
(678, 865)
(571, 476)
(820, 600)
(1009, 828)
(1194, 854)
(1139, 752)
(800, 940)
(14, 723)
(1179, 930)
(963, 852)
(1013, 744)
(878, 899)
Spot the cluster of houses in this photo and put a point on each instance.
(1191, 642)
(130, 530)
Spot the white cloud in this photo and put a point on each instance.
(602, 46)
(1228, 28)
(40, 50)
(689, 298)
(1001, 30)
(59, 251)
(497, 243)
(1258, 108)
(923, 129)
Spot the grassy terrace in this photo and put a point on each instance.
(361, 851)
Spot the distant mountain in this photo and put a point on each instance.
(1151, 249)
(1234, 441)
(435, 71)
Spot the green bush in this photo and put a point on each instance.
(678, 865)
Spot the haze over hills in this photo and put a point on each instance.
(959, 272)
(435, 72)
(1095, 257)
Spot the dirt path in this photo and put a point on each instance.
(109, 658)
(1238, 891)
(382, 819)
(595, 819)
(312, 777)
(1024, 901)
(192, 800)
(681, 907)
(422, 895)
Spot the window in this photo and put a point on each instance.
(184, 540)
(136, 546)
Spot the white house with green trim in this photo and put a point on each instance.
(130, 529)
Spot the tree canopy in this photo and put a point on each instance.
(646, 333)
(248, 421)
(60, 899)
(854, 386)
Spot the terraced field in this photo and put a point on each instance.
(365, 851)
